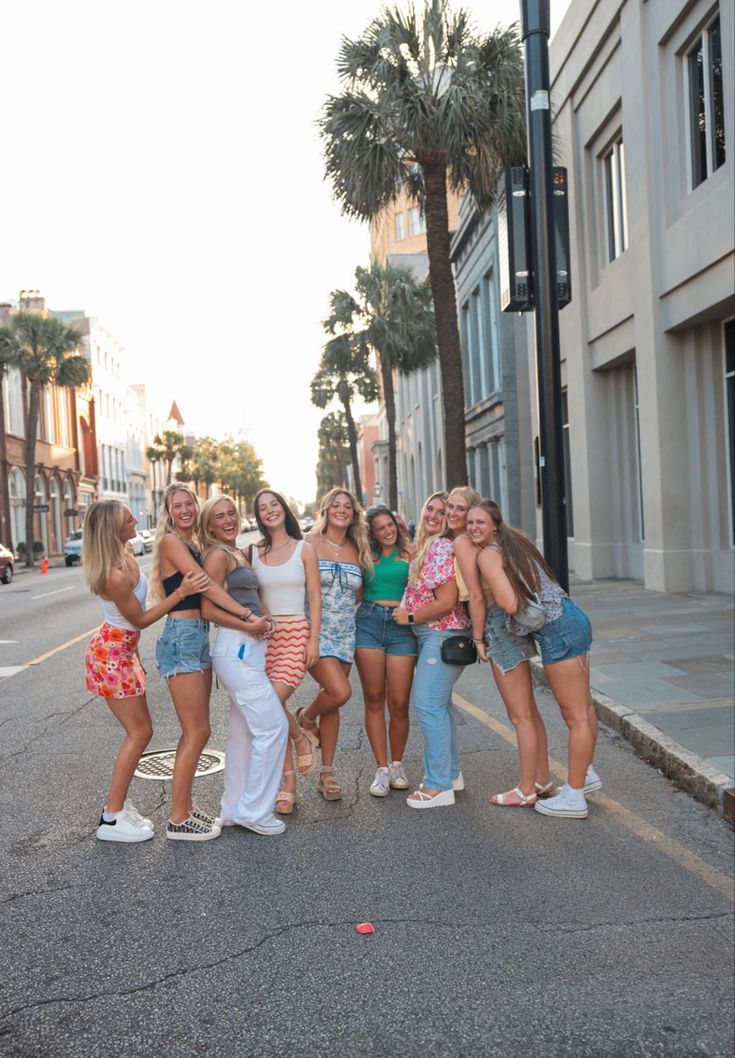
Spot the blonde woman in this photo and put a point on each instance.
(289, 575)
(340, 540)
(432, 609)
(182, 653)
(258, 729)
(112, 663)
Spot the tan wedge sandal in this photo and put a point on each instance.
(311, 732)
(328, 786)
(286, 800)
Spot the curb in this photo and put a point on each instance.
(692, 774)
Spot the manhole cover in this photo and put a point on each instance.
(159, 764)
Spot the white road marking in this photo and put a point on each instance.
(4, 642)
(11, 670)
(47, 593)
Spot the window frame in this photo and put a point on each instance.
(699, 172)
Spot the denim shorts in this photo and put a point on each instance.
(569, 636)
(376, 630)
(505, 649)
(183, 646)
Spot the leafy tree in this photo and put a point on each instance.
(165, 448)
(392, 317)
(45, 351)
(6, 348)
(345, 374)
(427, 104)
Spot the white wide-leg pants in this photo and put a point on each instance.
(256, 740)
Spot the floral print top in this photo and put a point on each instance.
(437, 570)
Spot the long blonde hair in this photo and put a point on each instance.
(357, 533)
(209, 540)
(521, 558)
(424, 540)
(102, 549)
(166, 525)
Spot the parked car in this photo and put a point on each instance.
(73, 547)
(138, 544)
(6, 565)
(147, 539)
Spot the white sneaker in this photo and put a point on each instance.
(592, 781)
(419, 799)
(458, 783)
(566, 805)
(381, 783)
(267, 828)
(125, 828)
(205, 817)
(133, 811)
(397, 775)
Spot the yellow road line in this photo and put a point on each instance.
(668, 846)
(57, 650)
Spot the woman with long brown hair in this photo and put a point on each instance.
(112, 662)
(339, 538)
(517, 574)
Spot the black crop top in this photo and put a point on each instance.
(170, 584)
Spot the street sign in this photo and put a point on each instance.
(71, 513)
(40, 508)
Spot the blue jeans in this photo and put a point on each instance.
(432, 695)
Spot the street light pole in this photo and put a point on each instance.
(535, 30)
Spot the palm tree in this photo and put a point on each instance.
(427, 104)
(392, 317)
(344, 374)
(331, 469)
(45, 351)
(6, 349)
(165, 448)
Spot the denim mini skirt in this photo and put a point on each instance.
(569, 636)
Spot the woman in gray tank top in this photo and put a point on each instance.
(258, 728)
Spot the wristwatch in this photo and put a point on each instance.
(411, 618)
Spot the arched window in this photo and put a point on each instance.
(17, 491)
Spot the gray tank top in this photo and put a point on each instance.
(242, 585)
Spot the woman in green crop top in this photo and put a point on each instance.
(385, 652)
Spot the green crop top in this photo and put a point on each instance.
(388, 579)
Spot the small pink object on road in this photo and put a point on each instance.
(364, 927)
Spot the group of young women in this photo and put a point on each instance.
(355, 590)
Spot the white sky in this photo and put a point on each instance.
(161, 171)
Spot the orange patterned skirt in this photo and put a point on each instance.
(285, 659)
(113, 668)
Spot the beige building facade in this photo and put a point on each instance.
(642, 93)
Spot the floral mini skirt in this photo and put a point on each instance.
(113, 668)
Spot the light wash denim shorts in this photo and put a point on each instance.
(569, 636)
(505, 649)
(376, 630)
(183, 646)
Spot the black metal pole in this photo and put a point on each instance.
(535, 29)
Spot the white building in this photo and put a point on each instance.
(643, 100)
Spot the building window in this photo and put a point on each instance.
(616, 211)
(730, 407)
(416, 221)
(706, 104)
(567, 463)
(400, 226)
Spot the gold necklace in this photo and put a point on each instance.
(336, 547)
(282, 546)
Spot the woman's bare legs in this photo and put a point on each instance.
(570, 685)
(516, 690)
(399, 670)
(133, 714)
(371, 664)
(190, 692)
(295, 737)
(331, 675)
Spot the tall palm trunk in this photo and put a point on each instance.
(6, 537)
(352, 434)
(34, 402)
(389, 399)
(434, 166)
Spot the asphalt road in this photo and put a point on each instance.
(497, 932)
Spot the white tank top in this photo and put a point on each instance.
(283, 587)
(112, 615)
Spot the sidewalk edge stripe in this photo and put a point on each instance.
(57, 650)
(668, 846)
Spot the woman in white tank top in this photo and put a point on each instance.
(112, 663)
(289, 575)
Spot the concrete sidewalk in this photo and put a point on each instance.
(662, 675)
